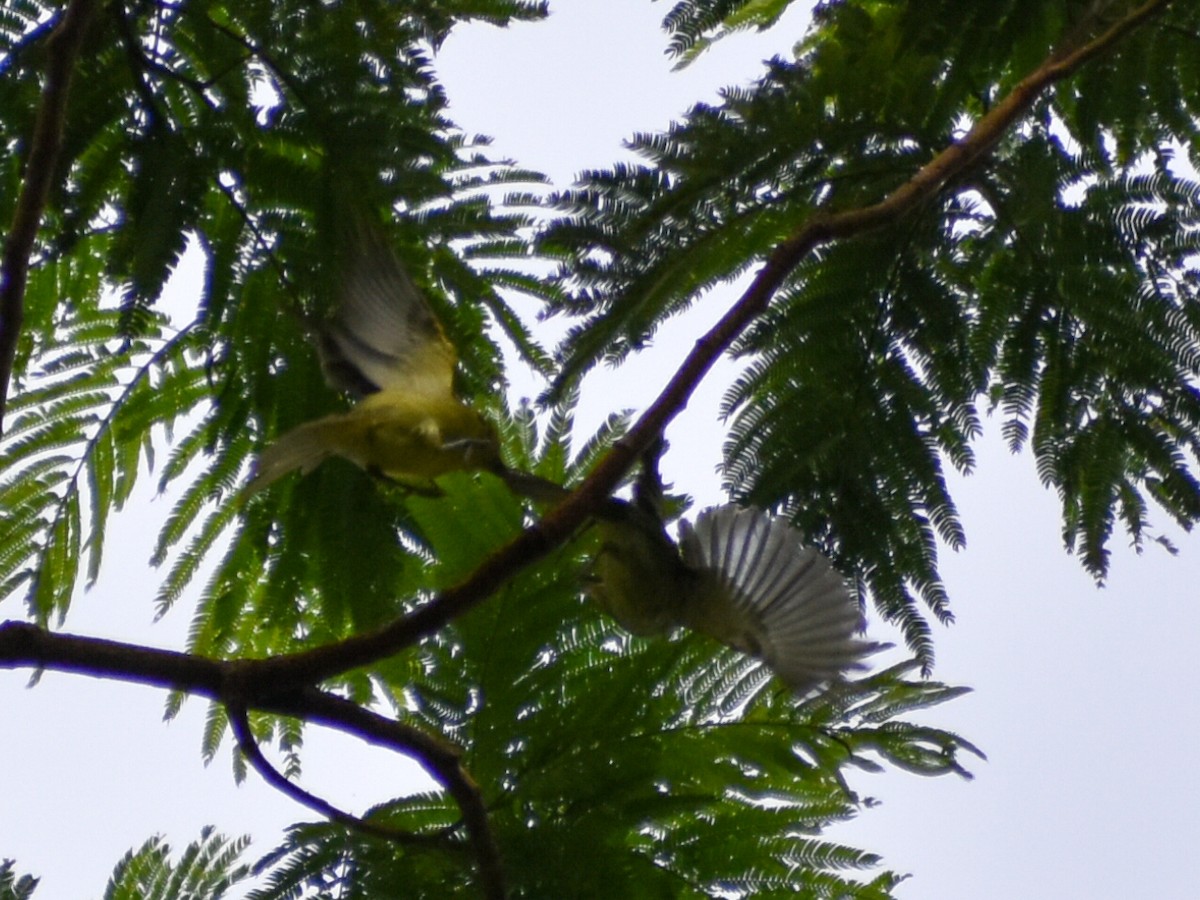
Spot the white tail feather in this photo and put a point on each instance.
(794, 610)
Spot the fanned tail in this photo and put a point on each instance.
(304, 447)
(787, 604)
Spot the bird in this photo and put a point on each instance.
(386, 348)
(737, 574)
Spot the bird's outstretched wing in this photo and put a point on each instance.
(385, 346)
(761, 591)
(383, 335)
(738, 575)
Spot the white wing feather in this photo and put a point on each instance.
(787, 604)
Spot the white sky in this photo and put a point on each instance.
(1084, 697)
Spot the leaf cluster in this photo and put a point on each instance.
(206, 870)
(13, 887)
(606, 761)
(1053, 284)
(187, 131)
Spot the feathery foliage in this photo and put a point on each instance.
(610, 757)
(206, 870)
(1051, 283)
(13, 887)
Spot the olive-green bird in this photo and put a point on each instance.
(740, 576)
(385, 346)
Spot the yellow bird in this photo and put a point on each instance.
(740, 576)
(386, 347)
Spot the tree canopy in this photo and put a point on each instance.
(946, 209)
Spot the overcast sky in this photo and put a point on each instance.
(1084, 698)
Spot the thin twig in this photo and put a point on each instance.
(239, 721)
(63, 45)
(133, 53)
(263, 244)
(140, 62)
(445, 766)
(262, 54)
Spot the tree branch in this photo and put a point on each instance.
(319, 663)
(259, 52)
(235, 683)
(442, 761)
(239, 722)
(63, 46)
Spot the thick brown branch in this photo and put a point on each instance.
(27, 646)
(323, 662)
(236, 684)
(63, 45)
